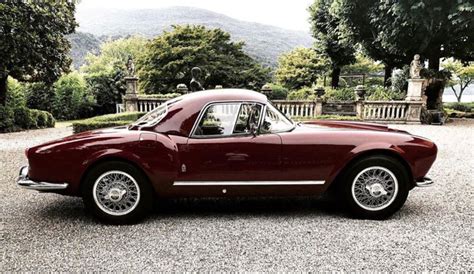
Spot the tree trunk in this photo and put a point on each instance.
(387, 75)
(3, 89)
(336, 72)
(433, 61)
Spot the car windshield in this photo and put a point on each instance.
(153, 117)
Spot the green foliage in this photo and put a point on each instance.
(7, 120)
(400, 79)
(332, 39)
(305, 93)
(380, 93)
(462, 75)
(363, 65)
(168, 60)
(23, 117)
(463, 107)
(34, 47)
(279, 92)
(340, 94)
(39, 95)
(72, 99)
(393, 31)
(300, 68)
(104, 121)
(105, 72)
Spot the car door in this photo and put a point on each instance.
(224, 146)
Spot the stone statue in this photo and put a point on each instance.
(415, 67)
(130, 66)
(195, 84)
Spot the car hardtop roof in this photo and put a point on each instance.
(213, 95)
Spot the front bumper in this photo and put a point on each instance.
(24, 182)
(425, 182)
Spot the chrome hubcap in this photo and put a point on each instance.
(375, 188)
(116, 193)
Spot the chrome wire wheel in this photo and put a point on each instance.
(375, 188)
(116, 193)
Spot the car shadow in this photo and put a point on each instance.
(268, 206)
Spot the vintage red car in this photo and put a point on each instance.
(225, 143)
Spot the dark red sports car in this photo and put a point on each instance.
(230, 143)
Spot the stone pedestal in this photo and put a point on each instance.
(415, 90)
(130, 99)
(360, 109)
(318, 107)
(414, 112)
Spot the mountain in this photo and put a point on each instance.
(81, 44)
(263, 42)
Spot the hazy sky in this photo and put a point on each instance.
(289, 14)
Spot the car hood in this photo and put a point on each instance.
(347, 125)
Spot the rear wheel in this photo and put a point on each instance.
(117, 192)
(375, 187)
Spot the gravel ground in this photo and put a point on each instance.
(433, 231)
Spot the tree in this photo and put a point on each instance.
(300, 68)
(394, 31)
(105, 72)
(169, 58)
(72, 100)
(33, 46)
(462, 76)
(331, 38)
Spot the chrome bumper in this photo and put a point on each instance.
(24, 182)
(425, 182)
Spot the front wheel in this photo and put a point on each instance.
(117, 192)
(375, 187)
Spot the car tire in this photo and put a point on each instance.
(117, 193)
(375, 187)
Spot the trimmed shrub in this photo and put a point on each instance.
(42, 119)
(7, 119)
(305, 93)
(50, 121)
(379, 93)
(463, 107)
(23, 118)
(279, 92)
(105, 121)
(340, 94)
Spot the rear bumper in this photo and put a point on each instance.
(24, 182)
(425, 182)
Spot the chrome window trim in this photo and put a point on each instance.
(203, 110)
(248, 183)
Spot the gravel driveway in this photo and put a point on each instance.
(433, 231)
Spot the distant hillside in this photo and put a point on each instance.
(81, 44)
(263, 42)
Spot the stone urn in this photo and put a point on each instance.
(319, 91)
(266, 90)
(360, 92)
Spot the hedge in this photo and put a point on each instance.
(105, 121)
(15, 119)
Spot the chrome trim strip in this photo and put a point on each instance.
(425, 182)
(246, 183)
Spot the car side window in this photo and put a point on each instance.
(275, 121)
(249, 116)
(218, 120)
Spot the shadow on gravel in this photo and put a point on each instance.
(72, 209)
(275, 206)
(69, 209)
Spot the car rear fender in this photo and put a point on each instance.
(157, 157)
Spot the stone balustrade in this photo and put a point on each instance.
(385, 111)
(408, 111)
